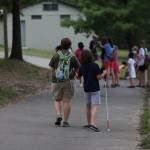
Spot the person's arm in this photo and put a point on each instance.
(76, 74)
(99, 77)
(52, 72)
(100, 45)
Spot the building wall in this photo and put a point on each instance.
(46, 33)
(1, 32)
(9, 30)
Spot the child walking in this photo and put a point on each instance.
(78, 55)
(131, 66)
(91, 74)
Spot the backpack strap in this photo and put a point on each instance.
(62, 56)
(65, 59)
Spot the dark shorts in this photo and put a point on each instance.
(143, 68)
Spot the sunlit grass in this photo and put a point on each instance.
(39, 53)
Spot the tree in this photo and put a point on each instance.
(4, 13)
(116, 18)
(16, 52)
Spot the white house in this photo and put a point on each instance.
(40, 26)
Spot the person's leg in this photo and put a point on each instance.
(112, 73)
(94, 114)
(116, 73)
(107, 67)
(57, 95)
(87, 97)
(66, 109)
(117, 79)
(113, 77)
(88, 113)
(107, 76)
(58, 107)
(95, 99)
(140, 78)
(132, 82)
(145, 78)
(68, 92)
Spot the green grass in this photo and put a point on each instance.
(145, 122)
(39, 53)
(123, 55)
(19, 79)
(8, 94)
(34, 52)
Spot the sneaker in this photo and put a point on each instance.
(113, 86)
(106, 86)
(117, 84)
(131, 87)
(58, 120)
(138, 85)
(87, 126)
(94, 128)
(66, 124)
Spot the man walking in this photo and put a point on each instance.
(63, 90)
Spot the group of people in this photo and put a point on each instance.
(63, 91)
(137, 65)
(109, 58)
(85, 69)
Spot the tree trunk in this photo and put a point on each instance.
(5, 32)
(16, 52)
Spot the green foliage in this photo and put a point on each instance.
(126, 20)
(145, 144)
(7, 94)
(19, 79)
(145, 122)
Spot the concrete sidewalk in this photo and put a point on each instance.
(29, 124)
(38, 61)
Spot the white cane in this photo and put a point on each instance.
(108, 125)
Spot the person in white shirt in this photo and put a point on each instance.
(131, 66)
(142, 69)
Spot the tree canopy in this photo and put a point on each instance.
(120, 19)
(125, 21)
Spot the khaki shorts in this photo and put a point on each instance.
(63, 90)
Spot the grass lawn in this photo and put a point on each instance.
(145, 122)
(39, 53)
(19, 79)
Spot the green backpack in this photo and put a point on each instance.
(63, 69)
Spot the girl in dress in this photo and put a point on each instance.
(132, 73)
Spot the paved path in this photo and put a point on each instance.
(29, 124)
(42, 62)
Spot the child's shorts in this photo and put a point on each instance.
(108, 64)
(92, 97)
